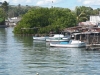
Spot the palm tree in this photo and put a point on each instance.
(82, 17)
(81, 14)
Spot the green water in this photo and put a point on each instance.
(20, 55)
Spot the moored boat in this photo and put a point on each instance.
(56, 36)
(56, 39)
(69, 44)
(39, 38)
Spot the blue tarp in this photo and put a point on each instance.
(64, 42)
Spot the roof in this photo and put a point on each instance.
(87, 23)
(82, 29)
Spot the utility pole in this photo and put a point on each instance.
(52, 5)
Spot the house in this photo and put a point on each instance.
(88, 23)
(12, 21)
(93, 22)
(95, 19)
(88, 31)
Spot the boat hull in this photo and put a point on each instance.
(39, 38)
(68, 45)
(55, 40)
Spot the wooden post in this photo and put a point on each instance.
(97, 38)
(74, 37)
(87, 39)
(80, 36)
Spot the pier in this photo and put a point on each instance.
(88, 34)
(93, 47)
(92, 39)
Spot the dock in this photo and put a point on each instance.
(93, 47)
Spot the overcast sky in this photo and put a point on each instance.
(71, 4)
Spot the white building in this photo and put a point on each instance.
(12, 21)
(95, 19)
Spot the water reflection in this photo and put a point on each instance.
(20, 55)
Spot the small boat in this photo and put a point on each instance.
(56, 36)
(69, 44)
(39, 38)
(58, 39)
(44, 38)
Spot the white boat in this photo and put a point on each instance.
(58, 39)
(44, 38)
(56, 36)
(70, 44)
(39, 38)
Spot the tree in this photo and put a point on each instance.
(83, 13)
(2, 17)
(5, 6)
(82, 17)
(46, 20)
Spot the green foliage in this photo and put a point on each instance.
(2, 13)
(19, 10)
(83, 13)
(5, 7)
(2, 17)
(45, 20)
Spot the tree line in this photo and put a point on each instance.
(46, 20)
(37, 19)
(3, 12)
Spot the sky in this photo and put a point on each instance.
(71, 4)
